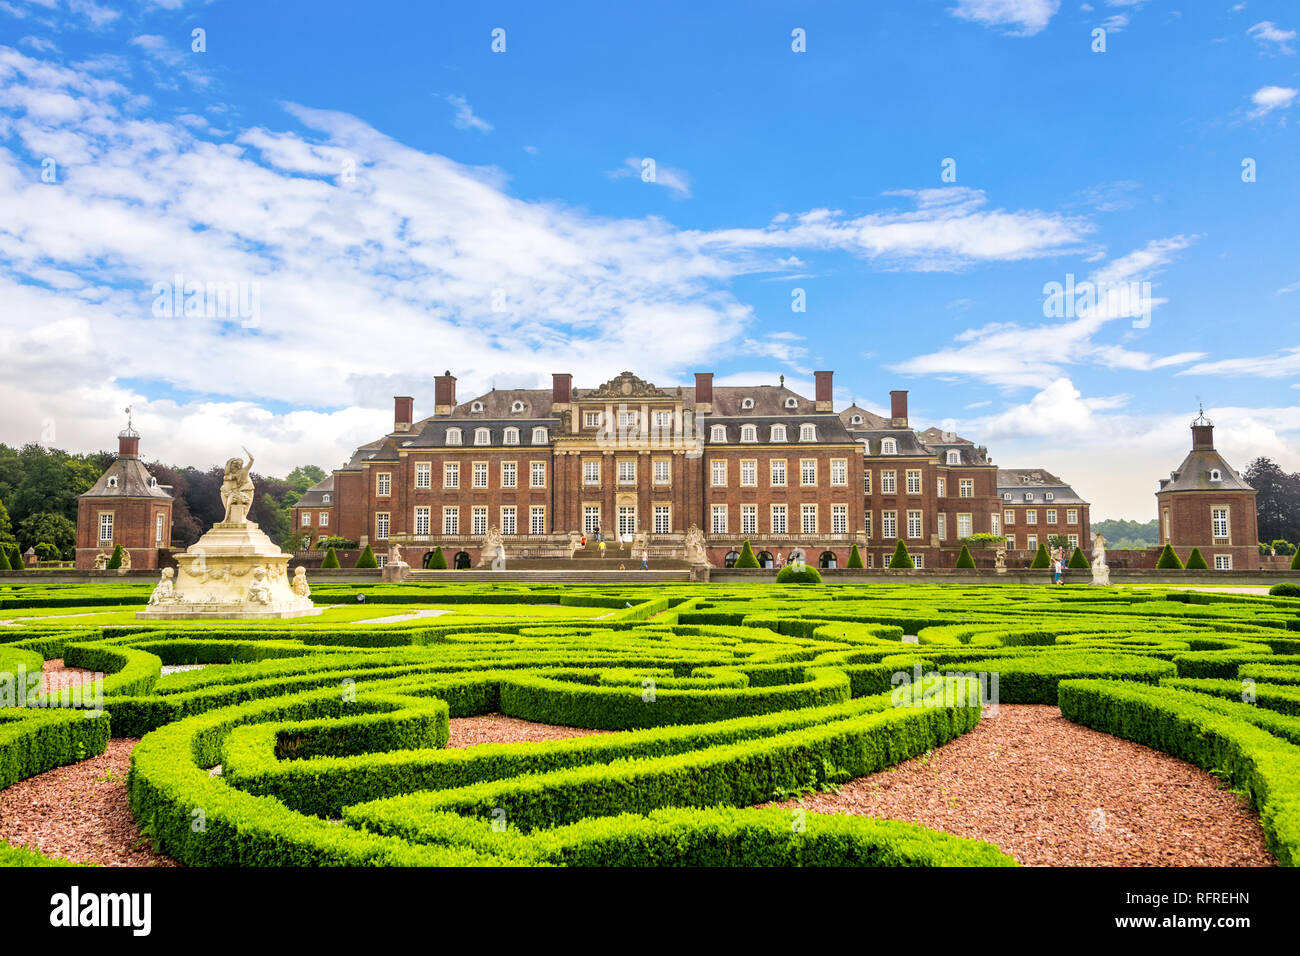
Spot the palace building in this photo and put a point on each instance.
(631, 460)
(1038, 507)
(125, 506)
(1206, 504)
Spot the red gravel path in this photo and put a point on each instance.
(496, 729)
(1053, 793)
(56, 677)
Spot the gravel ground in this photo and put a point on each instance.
(1053, 793)
(79, 812)
(495, 729)
(56, 677)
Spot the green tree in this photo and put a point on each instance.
(4, 561)
(6, 529)
(367, 559)
(303, 477)
(51, 527)
(1123, 535)
(1169, 560)
(47, 552)
(437, 561)
(901, 558)
(1196, 561)
(1295, 561)
(1079, 561)
(1277, 500)
(1041, 558)
(115, 559)
(855, 559)
(1283, 547)
(331, 559)
(964, 560)
(746, 559)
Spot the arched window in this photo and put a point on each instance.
(889, 446)
(539, 436)
(153, 482)
(730, 558)
(828, 560)
(954, 456)
(778, 433)
(1029, 496)
(453, 436)
(807, 432)
(511, 436)
(325, 499)
(482, 436)
(718, 433)
(765, 559)
(749, 433)
(462, 560)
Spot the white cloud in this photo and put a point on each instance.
(1278, 365)
(646, 169)
(1026, 17)
(1269, 98)
(465, 118)
(1272, 37)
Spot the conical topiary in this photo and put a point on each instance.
(964, 560)
(437, 560)
(746, 559)
(1041, 558)
(1196, 561)
(1295, 561)
(1079, 560)
(16, 562)
(1169, 560)
(331, 559)
(367, 559)
(4, 561)
(855, 559)
(115, 560)
(901, 558)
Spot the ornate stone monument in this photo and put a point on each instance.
(1100, 570)
(696, 553)
(234, 571)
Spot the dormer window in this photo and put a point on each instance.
(855, 420)
(778, 433)
(718, 433)
(325, 499)
(539, 436)
(511, 437)
(1006, 496)
(482, 436)
(889, 446)
(791, 403)
(153, 482)
(746, 403)
(1029, 496)
(453, 436)
(112, 482)
(954, 456)
(807, 432)
(476, 407)
(1216, 475)
(517, 407)
(749, 433)
(1049, 496)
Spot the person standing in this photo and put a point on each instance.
(645, 560)
(600, 544)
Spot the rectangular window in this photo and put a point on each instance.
(383, 484)
(626, 420)
(918, 560)
(627, 471)
(590, 519)
(158, 528)
(451, 520)
(537, 474)
(778, 472)
(839, 472)
(306, 519)
(1031, 516)
(451, 474)
(1009, 517)
(719, 519)
(749, 519)
(808, 471)
(1051, 516)
(866, 482)
(663, 421)
(964, 526)
(1223, 562)
(867, 525)
(808, 515)
(480, 472)
(663, 519)
(839, 519)
(509, 474)
(591, 472)
(662, 469)
(778, 519)
(381, 526)
(913, 481)
(966, 488)
(995, 523)
(749, 473)
(478, 520)
(941, 487)
(626, 521)
(324, 519)
(509, 525)
(941, 526)
(423, 474)
(1074, 540)
(1219, 520)
(591, 419)
(889, 524)
(1011, 542)
(537, 519)
(421, 520)
(719, 472)
(1071, 515)
(914, 524)
(1031, 542)
(888, 482)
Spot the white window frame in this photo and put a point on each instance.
(423, 474)
(808, 519)
(451, 474)
(779, 518)
(777, 473)
(450, 520)
(383, 524)
(718, 519)
(718, 473)
(423, 517)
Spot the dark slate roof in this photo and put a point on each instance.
(313, 497)
(1038, 482)
(1194, 474)
(908, 444)
(133, 481)
(867, 420)
(500, 402)
(769, 400)
(433, 433)
(935, 436)
(830, 430)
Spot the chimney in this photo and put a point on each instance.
(561, 391)
(824, 401)
(444, 393)
(704, 393)
(402, 408)
(898, 409)
(128, 444)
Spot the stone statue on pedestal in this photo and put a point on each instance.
(237, 490)
(1100, 570)
(695, 546)
(1000, 561)
(300, 586)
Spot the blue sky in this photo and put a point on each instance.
(397, 198)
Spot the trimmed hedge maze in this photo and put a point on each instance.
(331, 736)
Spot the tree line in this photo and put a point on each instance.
(39, 488)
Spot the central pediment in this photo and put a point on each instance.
(627, 385)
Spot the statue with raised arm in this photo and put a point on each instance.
(237, 489)
(1100, 570)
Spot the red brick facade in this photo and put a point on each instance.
(125, 506)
